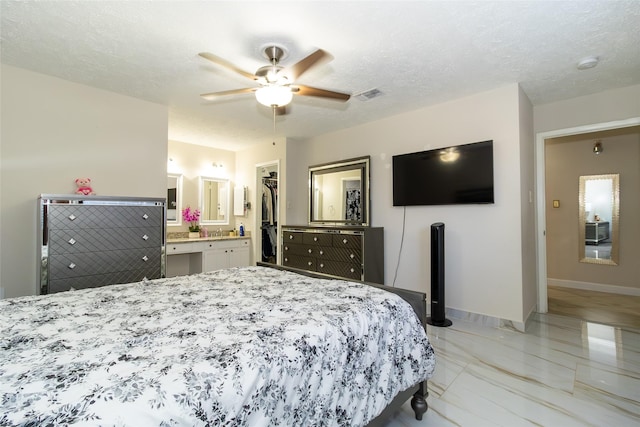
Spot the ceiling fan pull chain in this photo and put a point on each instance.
(273, 107)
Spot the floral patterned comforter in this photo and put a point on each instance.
(240, 347)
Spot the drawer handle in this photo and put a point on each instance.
(310, 251)
(286, 260)
(290, 237)
(344, 241)
(145, 237)
(315, 239)
(352, 270)
(145, 216)
(286, 248)
(309, 263)
(72, 241)
(352, 256)
(72, 217)
(321, 265)
(145, 258)
(72, 266)
(321, 252)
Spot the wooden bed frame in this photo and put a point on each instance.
(418, 301)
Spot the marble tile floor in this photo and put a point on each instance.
(562, 372)
(600, 307)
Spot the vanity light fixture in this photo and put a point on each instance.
(597, 147)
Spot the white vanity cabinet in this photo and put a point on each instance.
(191, 257)
(225, 254)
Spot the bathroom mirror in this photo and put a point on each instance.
(174, 199)
(599, 214)
(214, 201)
(339, 193)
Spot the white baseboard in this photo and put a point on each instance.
(597, 287)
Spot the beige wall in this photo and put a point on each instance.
(566, 160)
(54, 131)
(193, 161)
(483, 243)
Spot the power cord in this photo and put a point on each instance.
(404, 220)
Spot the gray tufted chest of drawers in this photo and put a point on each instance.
(92, 241)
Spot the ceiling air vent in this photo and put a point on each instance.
(369, 94)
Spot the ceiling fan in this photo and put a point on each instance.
(277, 83)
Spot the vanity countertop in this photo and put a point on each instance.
(205, 239)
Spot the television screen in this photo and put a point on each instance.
(462, 174)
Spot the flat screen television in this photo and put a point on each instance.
(461, 174)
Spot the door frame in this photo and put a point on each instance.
(541, 209)
(258, 210)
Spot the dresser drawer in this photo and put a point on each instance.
(293, 249)
(93, 263)
(347, 254)
(97, 216)
(317, 239)
(103, 239)
(342, 269)
(347, 241)
(292, 236)
(95, 281)
(297, 261)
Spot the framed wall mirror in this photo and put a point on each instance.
(214, 201)
(599, 215)
(174, 199)
(339, 193)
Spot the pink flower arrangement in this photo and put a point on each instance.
(192, 217)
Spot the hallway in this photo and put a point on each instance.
(599, 307)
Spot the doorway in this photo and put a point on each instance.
(267, 214)
(541, 241)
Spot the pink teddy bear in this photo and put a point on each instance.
(84, 186)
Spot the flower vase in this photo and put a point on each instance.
(194, 234)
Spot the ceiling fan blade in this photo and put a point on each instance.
(223, 62)
(215, 95)
(316, 58)
(323, 93)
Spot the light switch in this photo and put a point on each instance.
(556, 203)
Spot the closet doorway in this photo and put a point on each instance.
(268, 212)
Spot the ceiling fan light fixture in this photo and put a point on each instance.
(274, 95)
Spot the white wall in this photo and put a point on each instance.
(54, 131)
(483, 243)
(603, 107)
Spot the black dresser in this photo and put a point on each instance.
(349, 252)
(92, 241)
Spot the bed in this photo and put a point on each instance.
(251, 346)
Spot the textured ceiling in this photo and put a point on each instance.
(417, 53)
